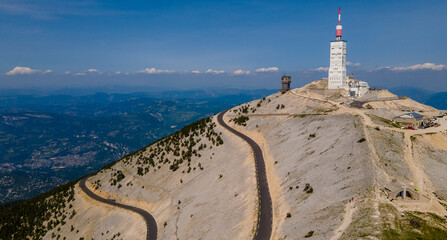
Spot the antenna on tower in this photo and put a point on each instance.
(339, 14)
(338, 29)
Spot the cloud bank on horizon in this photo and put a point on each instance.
(214, 71)
(268, 69)
(25, 70)
(424, 66)
(154, 70)
(433, 78)
(429, 66)
(241, 72)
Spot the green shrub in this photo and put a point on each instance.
(308, 188)
(140, 171)
(309, 234)
(241, 120)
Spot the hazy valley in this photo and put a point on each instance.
(47, 141)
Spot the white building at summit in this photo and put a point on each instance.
(337, 78)
(337, 66)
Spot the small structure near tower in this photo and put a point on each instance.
(399, 191)
(356, 87)
(413, 119)
(285, 80)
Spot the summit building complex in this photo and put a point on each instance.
(337, 77)
(337, 67)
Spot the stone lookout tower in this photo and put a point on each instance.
(285, 80)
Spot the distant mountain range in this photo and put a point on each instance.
(435, 99)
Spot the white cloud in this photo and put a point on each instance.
(379, 68)
(430, 66)
(353, 64)
(92, 70)
(195, 71)
(321, 69)
(269, 69)
(68, 72)
(154, 70)
(118, 73)
(80, 74)
(89, 71)
(25, 70)
(241, 72)
(215, 71)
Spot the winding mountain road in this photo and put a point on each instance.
(151, 224)
(264, 228)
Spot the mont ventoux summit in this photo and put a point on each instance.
(334, 159)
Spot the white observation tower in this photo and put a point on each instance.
(337, 66)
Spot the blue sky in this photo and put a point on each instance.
(246, 44)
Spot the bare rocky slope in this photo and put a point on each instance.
(327, 165)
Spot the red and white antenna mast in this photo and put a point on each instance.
(338, 29)
(339, 13)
